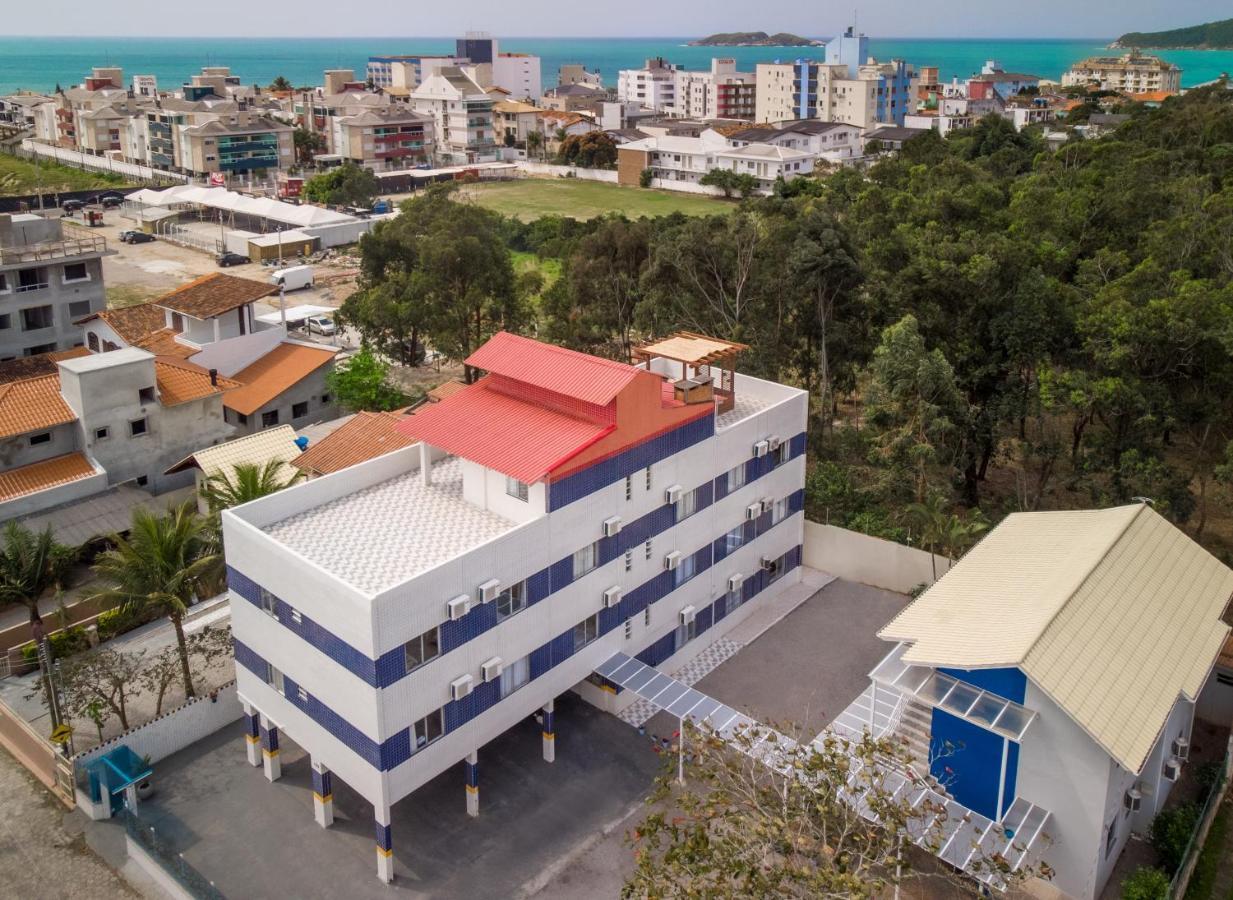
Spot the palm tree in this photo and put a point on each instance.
(943, 531)
(162, 564)
(245, 482)
(30, 563)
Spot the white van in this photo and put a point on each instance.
(294, 278)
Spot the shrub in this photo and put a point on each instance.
(114, 622)
(63, 643)
(1146, 883)
(645, 177)
(1170, 834)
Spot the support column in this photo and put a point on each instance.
(323, 795)
(130, 798)
(550, 736)
(252, 735)
(269, 750)
(472, 766)
(385, 843)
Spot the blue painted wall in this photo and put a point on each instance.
(1008, 683)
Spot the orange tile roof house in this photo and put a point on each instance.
(365, 436)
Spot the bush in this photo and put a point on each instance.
(1170, 834)
(645, 177)
(63, 643)
(114, 622)
(1146, 883)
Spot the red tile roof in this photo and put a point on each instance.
(566, 372)
(365, 436)
(513, 436)
(270, 375)
(40, 476)
(214, 294)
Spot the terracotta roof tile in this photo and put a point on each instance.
(546, 366)
(163, 343)
(42, 475)
(214, 294)
(132, 323)
(33, 366)
(273, 373)
(32, 405)
(446, 389)
(181, 382)
(366, 436)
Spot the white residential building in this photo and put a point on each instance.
(462, 116)
(393, 618)
(673, 158)
(518, 73)
(833, 141)
(1049, 682)
(653, 86)
(720, 93)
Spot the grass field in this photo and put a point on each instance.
(532, 198)
(20, 176)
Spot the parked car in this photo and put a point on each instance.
(232, 259)
(111, 201)
(139, 237)
(322, 325)
(71, 206)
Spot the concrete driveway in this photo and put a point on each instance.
(256, 839)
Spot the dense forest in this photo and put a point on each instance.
(1209, 36)
(984, 325)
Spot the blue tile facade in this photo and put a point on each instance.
(397, 749)
(391, 666)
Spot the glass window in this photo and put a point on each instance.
(420, 650)
(687, 505)
(585, 559)
(774, 570)
(274, 679)
(511, 600)
(686, 633)
(780, 512)
(586, 631)
(428, 729)
(736, 477)
(79, 308)
(648, 549)
(269, 603)
(686, 569)
(269, 419)
(734, 539)
(519, 490)
(629, 560)
(515, 675)
(781, 455)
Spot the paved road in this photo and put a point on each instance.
(38, 858)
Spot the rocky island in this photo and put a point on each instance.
(755, 39)
(1209, 36)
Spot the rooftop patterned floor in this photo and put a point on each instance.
(387, 533)
(747, 403)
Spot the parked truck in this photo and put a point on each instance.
(294, 278)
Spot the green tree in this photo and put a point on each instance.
(345, 185)
(307, 145)
(730, 182)
(280, 83)
(162, 564)
(943, 531)
(592, 150)
(247, 481)
(362, 383)
(31, 563)
(535, 143)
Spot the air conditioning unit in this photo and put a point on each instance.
(760, 448)
(612, 526)
(672, 560)
(491, 670)
(768, 503)
(612, 597)
(458, 607)
(768, 563)
(735, 581)
(773, 443)
(672, 494)
(488, 590)
(460, 687)
(1181, 748)
(1172, 769)
(753, 510)
(687, 615)
(1133, 799)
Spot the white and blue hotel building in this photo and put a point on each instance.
(394, 617)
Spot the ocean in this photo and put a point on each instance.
(40, 63)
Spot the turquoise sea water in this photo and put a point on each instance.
(41, 63)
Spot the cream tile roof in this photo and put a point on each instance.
(1112, 613)
(257, 449)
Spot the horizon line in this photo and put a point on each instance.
(561, 37)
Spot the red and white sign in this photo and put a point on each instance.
(218, 179)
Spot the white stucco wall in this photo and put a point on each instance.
(869, 560)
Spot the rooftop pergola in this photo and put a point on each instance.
(698, 353)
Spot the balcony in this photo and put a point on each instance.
(48, 251)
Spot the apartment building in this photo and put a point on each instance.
(578, 97)
(383, 138)
(402, 74)
(848, 86)
(51, 273)
(461, 114)
(1049, 682)
(720, 93)
(577, 73)
(1129, 73)
(833, 141)
(243, 144)
(513, 120)
(394, 617)
(518, 73)
(652, 86)
(688, 159)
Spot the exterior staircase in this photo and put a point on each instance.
(915, 726)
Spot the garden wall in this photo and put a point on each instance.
(176, 729)
(869, 560)
(539, 168)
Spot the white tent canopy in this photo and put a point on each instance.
(230, 201)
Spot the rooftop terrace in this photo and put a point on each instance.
(394, 530)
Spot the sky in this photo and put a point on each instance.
(556, 18)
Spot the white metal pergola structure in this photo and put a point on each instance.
(958, 835)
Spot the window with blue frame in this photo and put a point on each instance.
(511, 600)
(586, 559)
